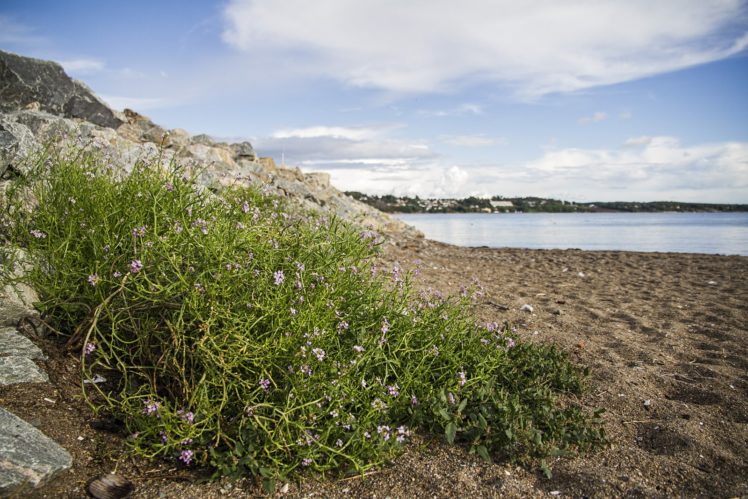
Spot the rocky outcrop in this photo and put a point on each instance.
(39, 103)
(27, 82)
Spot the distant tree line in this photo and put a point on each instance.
(499, 204)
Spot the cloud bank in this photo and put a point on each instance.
(642, 168)
(534, 47)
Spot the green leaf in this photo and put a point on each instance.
(508, 433)
(462, 405)
(450, 432)
(483, 452)
(546, 469)
(268, 484)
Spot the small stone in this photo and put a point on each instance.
(712, 283)
(581, 274)
(527, 308)
(647, 403)
(557, 311)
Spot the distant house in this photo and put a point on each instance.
(502, 204)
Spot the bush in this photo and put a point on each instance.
(236, 333)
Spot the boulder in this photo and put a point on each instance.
(244, 150)
(32, 82)
(29, 457)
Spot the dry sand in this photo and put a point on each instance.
(664, 335)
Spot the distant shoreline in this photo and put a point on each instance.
(407, 205)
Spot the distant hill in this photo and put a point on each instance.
(497, 204)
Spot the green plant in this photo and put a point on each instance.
(236, 333)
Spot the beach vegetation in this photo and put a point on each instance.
(227, 329)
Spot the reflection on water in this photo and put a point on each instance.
(723, 233)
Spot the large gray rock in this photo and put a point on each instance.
(28, 82)
(14, 344)
(27, 456)
(16, 141)
(14, 370)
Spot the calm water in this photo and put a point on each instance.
(723, 233)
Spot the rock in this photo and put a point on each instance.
(13, 344)
(527, 308)
(27, 456)
(25, 81)
(16, 141)
(203, 139)
(17, 369)
(244, 150)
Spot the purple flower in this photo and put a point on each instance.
(139, 231)
(93, 279)
(306, 462)
(413, 400)
(319, 353)
(358, 348)
(342, 326)
(117, 273)
(385, 326)
(164, 437)
(169, 186)
(245, 207)
(510, 342)
(393, 390)
(135, 266)
(462, 378)
(265, 384)
(90, 347)
(151, 407)
(187, 416)
(339, 443)
(279, 277)
(451, 398)
(186, 441)
(186, 456)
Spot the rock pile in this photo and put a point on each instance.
(39, 104)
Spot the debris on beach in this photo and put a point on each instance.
(527, 308)
(110, 486)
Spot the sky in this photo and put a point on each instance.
(581, 100)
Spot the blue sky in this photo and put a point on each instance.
(578, 100)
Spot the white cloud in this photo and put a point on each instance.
(461, 110)
(14, 33)
(642, 169)
(648, 168)
(336, 146)
(82, 65)
(534, 47)
(473, 140)
(594, 118)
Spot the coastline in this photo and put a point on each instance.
(667, 328)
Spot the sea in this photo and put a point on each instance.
(712, 233)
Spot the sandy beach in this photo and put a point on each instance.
(664, 336)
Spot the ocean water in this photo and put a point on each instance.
(716, 233)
